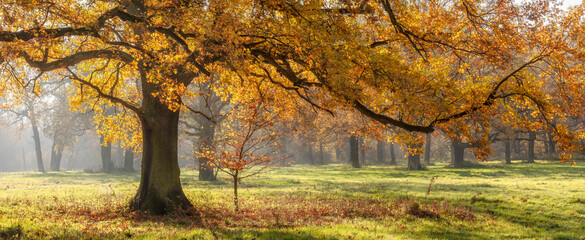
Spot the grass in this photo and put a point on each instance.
(518, 201)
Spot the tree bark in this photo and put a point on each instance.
(414, 160)
(37, 139)
(321, 154)
(236, 203)
(508, 152)
(380, 150)
(392, 155)
(206, 143)
(56, 155)
(160, 188)
(531, 138)
(23, 160)
(428, 149)
(309, 152)
(353, 152)
(129, 160)
(551, 142)
(106, 153)
(458, 153)
(362, 149)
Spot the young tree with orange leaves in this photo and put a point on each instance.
(248, 144)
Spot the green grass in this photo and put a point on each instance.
(518, 201)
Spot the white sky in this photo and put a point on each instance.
(568, 3)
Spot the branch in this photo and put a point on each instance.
(76, 58)
(490, 100)
(113, 99)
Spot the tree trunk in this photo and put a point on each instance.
(458, 154)
(508, 152)
(236, 203)
(129, 160)
(37, 139)
(414, 160)
(56, 153)
(392, 155)
(531, 138)
(160, 188)
(309, 152)
(206, 143)
(23, 160)
(353, 151)
(106, 152)
(56, 156)
(380, 150)
(362, 150)
(321, 154)
(338, 154)
(551, 142)
(428, 149)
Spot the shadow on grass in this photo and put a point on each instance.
(269, 234)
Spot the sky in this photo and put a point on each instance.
(568, 3)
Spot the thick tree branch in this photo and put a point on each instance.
(77, 58)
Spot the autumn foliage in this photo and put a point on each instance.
(417, 66)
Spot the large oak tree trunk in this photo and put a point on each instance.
(160, 188)
(37, 139)
(354, 151)
(458, 154)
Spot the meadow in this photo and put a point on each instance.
(545, 200)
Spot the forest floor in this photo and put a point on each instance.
(545, 200)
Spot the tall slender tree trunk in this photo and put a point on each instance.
(37, 139)
(362, 146)
(428, 140)
(129, 160)
(392, 155)
(309, 152)
(551, 142)
(56, 153)
(160, 188)
(458, 154)
(106, 153)
(338, 154)
(380, 150)
(236, 202)
(206, 143)
(354, 152)
(508, 152)
(531, 139)
(321, 154)
(23, 160)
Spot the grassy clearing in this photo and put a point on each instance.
(520, 201)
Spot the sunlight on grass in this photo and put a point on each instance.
(535, 201)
